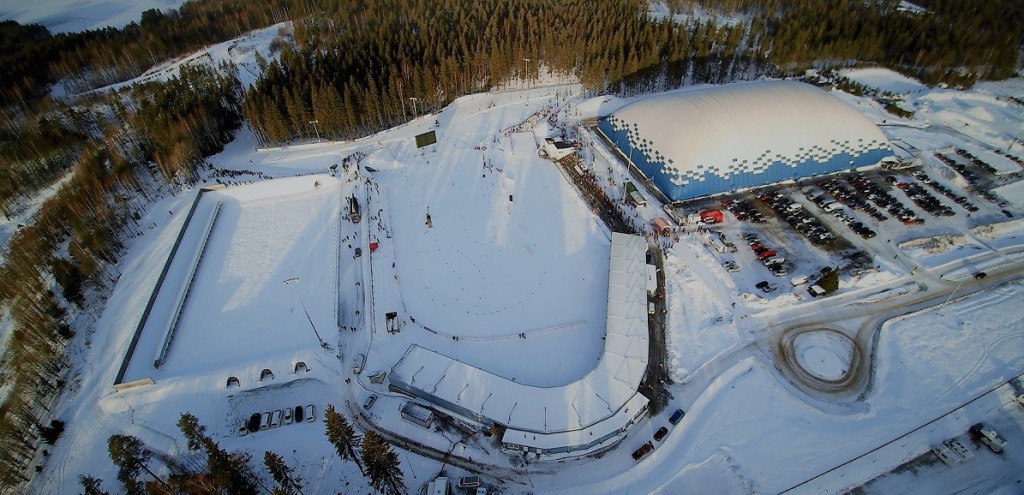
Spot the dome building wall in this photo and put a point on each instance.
(701, 142)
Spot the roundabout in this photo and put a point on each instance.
(820, 358)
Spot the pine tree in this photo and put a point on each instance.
(194, 432)
(91, 485)
(130, 457)
(382, 465)
(287, 482)
(230, 471)
(342, 436)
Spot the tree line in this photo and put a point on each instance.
(217, 470)
(148, 141)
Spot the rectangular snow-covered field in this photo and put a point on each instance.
(239, 315)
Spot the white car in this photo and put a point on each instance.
(358, 363)
(310, 413)
(275, 421)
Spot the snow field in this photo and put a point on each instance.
(239, 310)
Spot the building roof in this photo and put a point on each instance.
(739, 130)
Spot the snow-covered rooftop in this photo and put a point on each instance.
(600, 395)
(744, 128)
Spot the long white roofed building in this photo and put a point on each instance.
(700, 142)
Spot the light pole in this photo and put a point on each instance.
(291, 282)
(527, 79)
(317, 131)
(414, 113)
(951, 294)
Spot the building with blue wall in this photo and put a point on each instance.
(705, 141)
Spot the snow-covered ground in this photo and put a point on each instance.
(65, 16)
(884, 80)
(509, 273)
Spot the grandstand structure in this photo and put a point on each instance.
(700, 142)
(578, 417)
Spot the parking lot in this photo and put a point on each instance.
(785, 236)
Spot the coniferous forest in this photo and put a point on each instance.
(353, 65)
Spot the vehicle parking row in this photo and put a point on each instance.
(770, 258)
(286, 416)
(658, 435)
(924, 199)
(945, 191)
(743, 210)
(860, 185)
(793, 213)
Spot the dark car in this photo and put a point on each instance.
(980, 275)
(678, 415)
(299, 414)
(658, 435)
(254, 422)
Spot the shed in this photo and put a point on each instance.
(417, 414)
(662, 226)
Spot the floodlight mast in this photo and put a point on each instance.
(291, 283)
(527, 75)
(317, 131)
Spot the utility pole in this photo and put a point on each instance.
(527, 80)
(414, 113)
(291, 282)
(314, 123)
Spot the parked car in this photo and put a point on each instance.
(469, 482)
(254, 422)
(658, 435)
(310, 414)
(642, 451)
(299, 414)
(265, 422)
(275, 420)
(288, 415)
(369, 401)
(357, 363)
(677, 416)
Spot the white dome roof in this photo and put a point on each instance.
(743, 128)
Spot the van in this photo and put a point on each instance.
(716, 244)
(799, 280)
(815, 290)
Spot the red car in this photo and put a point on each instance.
(642, 451)
(658, 435)
(767, 254)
